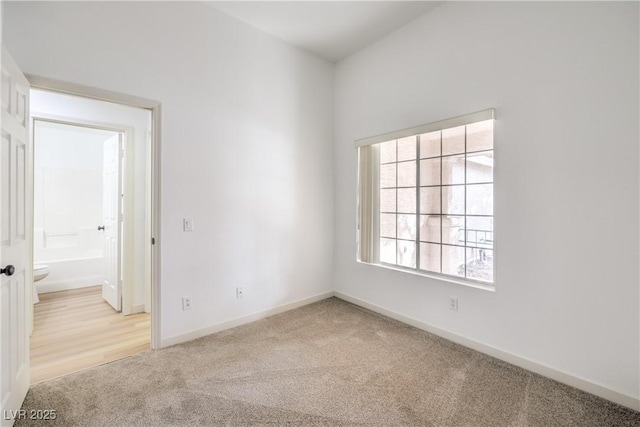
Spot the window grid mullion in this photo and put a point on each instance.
(441, 205)
(452, 185)
(417, 202)
(465, 202)
(396, 225)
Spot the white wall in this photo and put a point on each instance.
(246, 143)
(564, 80)
(67, 192)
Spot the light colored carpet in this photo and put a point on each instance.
(328, 363)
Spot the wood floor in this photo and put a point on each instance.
(77, 329)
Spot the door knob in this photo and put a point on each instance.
(101, 227)
(8, 270)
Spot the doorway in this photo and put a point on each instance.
(92, 232)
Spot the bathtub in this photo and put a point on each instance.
(72, 274)
(74, 258)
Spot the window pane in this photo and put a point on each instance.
(453, 140)
(407, 253)
(388, 251)
(453, 230)
(430, 200)
(407, 227)
(480, 231)
(453, 170)
(388, 200)
(430, 228)
(407, 174)
(430, 257)
(430, 172)
(407, 148)
(480, 264)
(480, 136)
(407, 200)
(388, 175)
(453, 260)
(480, 167)
(453, 200)
(430, 144)
(388, 225)
(480, 199)
(388, 152)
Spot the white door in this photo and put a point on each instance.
(15, 235)
(112, 217)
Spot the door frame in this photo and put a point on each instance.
(125, 250)
(52, 85)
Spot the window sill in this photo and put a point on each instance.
(435, 276)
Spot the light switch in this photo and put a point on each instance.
(187, 224)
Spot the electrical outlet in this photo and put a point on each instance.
(187, 224)
(453, 303)
(240, 292)
(186, 303)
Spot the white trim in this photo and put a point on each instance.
(239, 321)
(436, 276)
(38, 82)
(68, 284)
(137, 309)
(530, 365)
(478, 116)
(156, 213)
(125, 250)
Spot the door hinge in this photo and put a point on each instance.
(153, 240)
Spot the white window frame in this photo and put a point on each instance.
(368, 203)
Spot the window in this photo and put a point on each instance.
(426, 199)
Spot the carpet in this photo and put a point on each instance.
(330, 363)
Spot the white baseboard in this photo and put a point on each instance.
(239, 321)
(137, 309)
(546, 371)
(65, 285)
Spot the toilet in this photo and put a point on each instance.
(40, 271)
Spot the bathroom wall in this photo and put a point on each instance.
(68, 204)
(138, 123)
(67, 191)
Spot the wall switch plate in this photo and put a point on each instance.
(453, 303)
(186, 303)
(240, 292)
(187, 224)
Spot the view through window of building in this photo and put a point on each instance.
(431, 204)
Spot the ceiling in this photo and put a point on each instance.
(330, 29)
